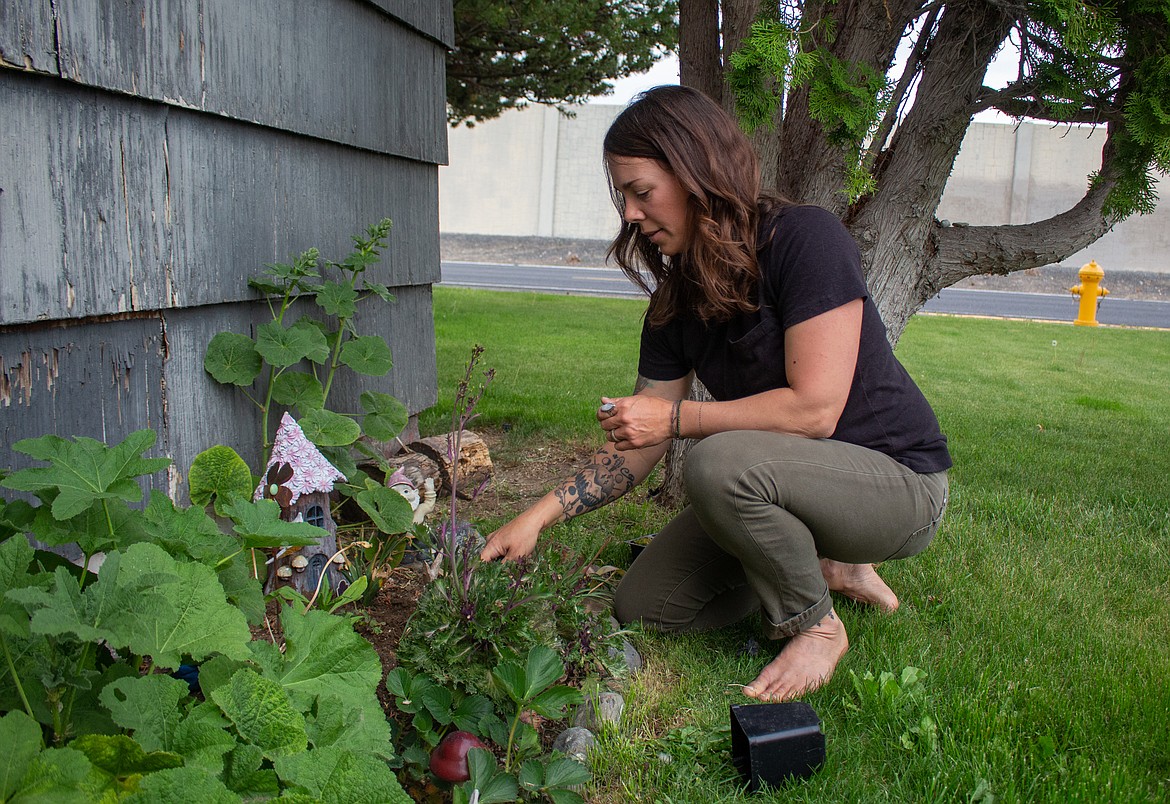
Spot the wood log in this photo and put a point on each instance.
(417, 467)
(473, 468)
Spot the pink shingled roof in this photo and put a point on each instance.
(311, 470)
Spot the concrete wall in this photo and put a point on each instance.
(155, 154)
(537, 173)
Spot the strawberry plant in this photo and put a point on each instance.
(90, 705)
(445, 727)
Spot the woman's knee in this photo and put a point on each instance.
(711, 466)
(627, 605)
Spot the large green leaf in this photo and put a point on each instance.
(283, 347)
(63, 609)
(202, 737)
(218, 474)
(119, 762)
(21, 737)
(179, 609)
(239, 577)
(387, 509)
(321, 336)
(15, 556)
(300, 390)
(148, 706)
(262, 713)
(339, 776)
(57, 774)
(182, 786)
(84, 471)
(328, 429)
(385, 415)
(243, 773)
(259, 526)
(337, 298)
(323, 656)
(108, 525)
(367, 354)
(15, 515)
(232, 359)
(341, 725)
(185, 532)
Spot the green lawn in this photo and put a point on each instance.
(1038, 615)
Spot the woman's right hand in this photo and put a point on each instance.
(513, 541)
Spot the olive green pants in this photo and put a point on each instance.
(764, 507)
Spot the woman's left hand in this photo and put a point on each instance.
(636, 421)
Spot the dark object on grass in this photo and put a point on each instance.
(639, 544)
(773, 743)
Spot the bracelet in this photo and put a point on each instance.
(699, 425)
(675, 418)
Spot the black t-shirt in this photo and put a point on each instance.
(809, 265)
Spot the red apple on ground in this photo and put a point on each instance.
(449, 759)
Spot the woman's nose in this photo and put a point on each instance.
(632, 213)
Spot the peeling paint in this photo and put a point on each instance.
(70, 295)
(16, 381)
(52, 368)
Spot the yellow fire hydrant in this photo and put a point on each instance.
(1089, 290)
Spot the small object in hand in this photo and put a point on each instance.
(607, 407)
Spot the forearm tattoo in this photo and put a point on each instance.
(602, 482)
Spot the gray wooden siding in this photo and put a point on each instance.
(155, 155)
(110, 205)
(106, 379)
(431, 17)
(341, 70)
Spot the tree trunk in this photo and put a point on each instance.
(672, 493)
(907, 254)
(700, 64)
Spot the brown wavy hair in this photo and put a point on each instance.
(694, 139)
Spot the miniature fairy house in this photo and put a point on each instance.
(300, 479)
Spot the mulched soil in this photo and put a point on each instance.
(521, 475)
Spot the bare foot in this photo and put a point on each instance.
(804, 664)
(859, 582)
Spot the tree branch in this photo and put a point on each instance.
(964, 251)
(913, 67)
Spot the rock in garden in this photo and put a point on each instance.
(599, 710)
(630, 654)
(575, 743)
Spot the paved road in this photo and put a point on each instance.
(588, 281)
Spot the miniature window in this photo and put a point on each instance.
(315, 516)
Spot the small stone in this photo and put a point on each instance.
(575, 743)
(603, 709)
(630, 654)
(665, 758)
